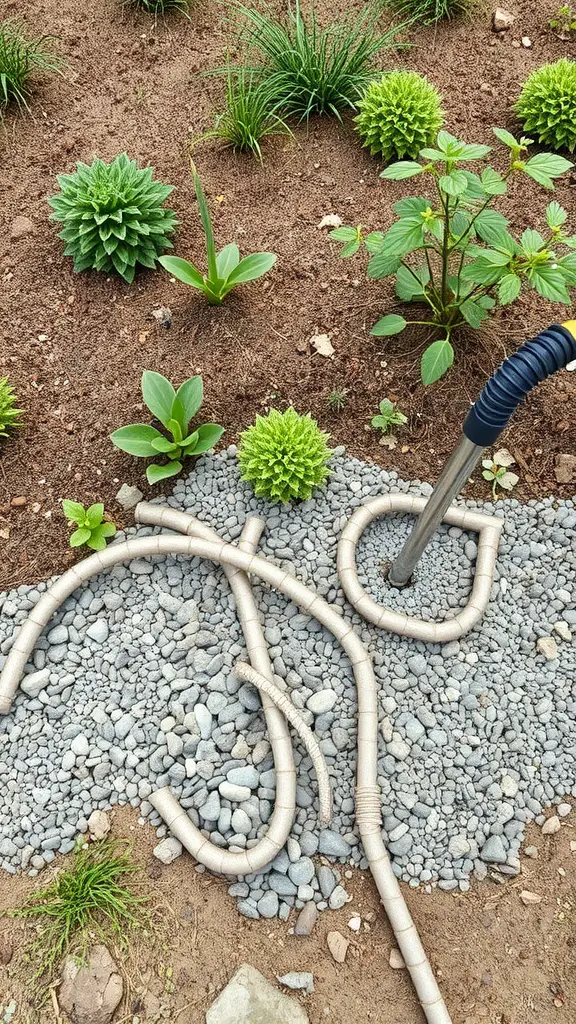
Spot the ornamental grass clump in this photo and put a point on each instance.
(20, 59)
(399, 114)
(113, 216)
(250, 113)
(451, 253)
(426, 12)
(8, 412)
(157, 7)
(547, 104)
(284, 456)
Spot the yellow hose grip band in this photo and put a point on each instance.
(570, 325)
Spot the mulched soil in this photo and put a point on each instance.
(75, 345)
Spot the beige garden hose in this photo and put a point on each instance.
(240, 563)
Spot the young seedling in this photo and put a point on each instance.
(90, 530)
(337, 400)
(564, 22)
(390, 416)
(174, 409)
(497, 471)
(225, 269)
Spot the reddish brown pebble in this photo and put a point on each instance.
(18, 502)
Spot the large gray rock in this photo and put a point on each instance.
(250, 999)
(90, 992)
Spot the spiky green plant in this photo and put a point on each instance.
(312, 70)
(547, 104)
(113, 216)
(90, 896)
(426, 12)
(399, 114)
(20, 59)
(337, 400)
(250, 112)
(157, 7)
(8, 412)
(284, 455)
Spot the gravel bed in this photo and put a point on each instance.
(132, 687)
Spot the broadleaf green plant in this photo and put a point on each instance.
(389, 416)
(497, 471)
(90, 528)
(175, 410)
(8, 412)
(284, 455)
(454, 253)
(20, 59)
(225, 268)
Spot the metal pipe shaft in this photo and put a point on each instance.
(451, 481)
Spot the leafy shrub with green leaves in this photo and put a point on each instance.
(113, 216)
(426, 12)
(312, 70)
(225, 269)
(250, 114)
(175, 410)
(90, 528)
(389, 416)
(454, 254)
(399, 114)
(547, 104)
(20, 59)
(8, 412)
(284, 455)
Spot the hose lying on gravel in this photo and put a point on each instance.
(239, 561)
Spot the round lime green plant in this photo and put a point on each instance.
(113, 216)
(547, 104)
(399, 114)
(284, 455)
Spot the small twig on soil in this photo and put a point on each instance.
(55, 1005)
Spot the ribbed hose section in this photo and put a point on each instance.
(531, 364)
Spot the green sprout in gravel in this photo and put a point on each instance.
(547, 104)
(8, 412)
(113, 216)
(399, 114)
(284, 456)
(497, 471)
(312, 70)
(337, 400)
(174, 409)
(225, 268)
(90, 528)
(453, 254)
(20, 59)
(250, 113)
(90, 897)
(389, 416)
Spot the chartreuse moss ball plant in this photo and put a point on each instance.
(20, 59)
(428, 11)
(399, 114)
(113, 216)
(284, 455)
(8, 412)
(547, 104)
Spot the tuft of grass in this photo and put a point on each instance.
(311, 70)
(337, 400)
(429, 11)
(250, 113)
(157, 7)
(89, 897)
(20, 59)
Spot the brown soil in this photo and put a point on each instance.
(75, 346)
(498, 961)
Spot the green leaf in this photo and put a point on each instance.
(437, 359)
(158, 395)
(108, 529)
(545, 166)
(493, 182)
(388, 325)
(474, 314)
(155, 473)
(208, 436)
(402, 169)
(567, 265)
(403, 237)
(80, 537)
(412, 206)
(453, 184)
(94, 515)
(177, 424)
(189, 442)
(494, 256)
(382, 265)
(98, 537)
(343, 234)
(191, 396)
(489, 225)
(207, 225)
(410, 284)
(532, 241)
(183, 271)
(74, 511)
(482, 272)
(374, 241)
(350, 248)
(163, 444)
(252, 267)
(473, 151)
(549, 282)
(227, 260)
(556, 215)
(136, 439)
(503, 136)
(509, 289)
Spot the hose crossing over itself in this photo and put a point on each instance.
(239, 561)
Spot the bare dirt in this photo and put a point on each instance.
(75, 345)
(497, 961)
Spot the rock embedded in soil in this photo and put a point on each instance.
(298, 981)
(90, 992)
(20, 227)
(306, 919)
(168, 850)
(338, 945)
(249, 997)
(98, 825)
(502, 20)
(565, 468)
(129, 496)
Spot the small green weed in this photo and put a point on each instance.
(564, 22)
(90, 529)
(497, 470)
(390, 416)
(337, 400)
